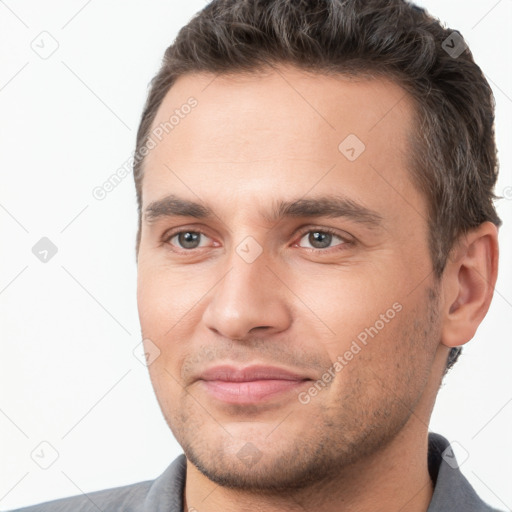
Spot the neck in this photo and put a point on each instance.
(394, 478)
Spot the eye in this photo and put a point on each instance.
(322, 238)
(186, 239)
(318, 239)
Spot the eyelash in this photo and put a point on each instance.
(346, 241)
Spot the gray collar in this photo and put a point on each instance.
(452, 491)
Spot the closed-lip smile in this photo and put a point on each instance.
(250, 384)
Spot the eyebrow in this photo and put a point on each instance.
(325, 206)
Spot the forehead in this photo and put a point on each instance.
(284, 132)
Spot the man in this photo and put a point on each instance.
(317, 240)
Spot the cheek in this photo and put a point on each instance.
(376, 375)
(379, 336)
(164, 373)
(397, 358)
(167, 301)
(169, 308)
(350, 305)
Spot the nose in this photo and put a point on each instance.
(248, 300)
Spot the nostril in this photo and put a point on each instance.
(260, 327)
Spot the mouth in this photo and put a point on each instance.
(250, 385)
(251, 392)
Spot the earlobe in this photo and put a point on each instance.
(468, 281)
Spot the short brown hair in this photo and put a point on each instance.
(453, 151)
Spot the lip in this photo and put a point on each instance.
(251, 384)
(249, 373)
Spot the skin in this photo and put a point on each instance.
(361, 442)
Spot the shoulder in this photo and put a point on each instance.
(162, 494)
(452, 491)
(129, 498)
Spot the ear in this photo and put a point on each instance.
(468, 283)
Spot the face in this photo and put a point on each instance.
(306, 252)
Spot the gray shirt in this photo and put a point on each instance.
(452, 492)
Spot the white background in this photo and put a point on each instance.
(69, 326)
